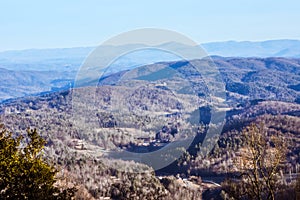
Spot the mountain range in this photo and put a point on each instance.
(27, 72)
(71, 58)
(269, 48)
(148, 101)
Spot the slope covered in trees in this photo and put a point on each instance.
(83, 149)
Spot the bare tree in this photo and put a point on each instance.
(258, 165)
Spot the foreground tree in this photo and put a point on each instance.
(24, 174)
(258, 166)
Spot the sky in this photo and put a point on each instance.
(73, 23)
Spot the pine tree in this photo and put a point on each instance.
(24, 174)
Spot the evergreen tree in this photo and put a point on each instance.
(24, 174)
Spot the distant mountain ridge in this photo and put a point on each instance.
(28, 72)
(69, 59)
(270, 48)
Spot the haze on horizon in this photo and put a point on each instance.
(56, 24)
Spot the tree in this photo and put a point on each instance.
(24, 174)
(258, 166)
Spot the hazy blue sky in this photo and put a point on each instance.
(69, 23)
